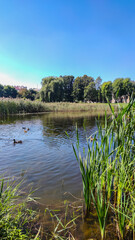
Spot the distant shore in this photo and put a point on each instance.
(21, 106)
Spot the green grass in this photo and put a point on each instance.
(108, 170)
(20, 106)
(16, 219)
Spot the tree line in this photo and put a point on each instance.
(84, 88)
(71, 89)
(10, 92)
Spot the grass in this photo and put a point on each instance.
(16, 219)
(19, 106)
(108, 170)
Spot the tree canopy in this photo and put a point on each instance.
(84, 88)
(67, 88)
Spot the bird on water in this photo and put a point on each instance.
(20, 141)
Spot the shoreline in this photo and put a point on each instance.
(26, 107)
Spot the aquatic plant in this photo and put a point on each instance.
(107, 170)
(16, 219)
(19, 106)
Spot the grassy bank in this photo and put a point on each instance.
(19, 106)
(17, 221)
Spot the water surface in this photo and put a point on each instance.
(45, 159)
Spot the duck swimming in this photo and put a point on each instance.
(20, 141)
(91, 139)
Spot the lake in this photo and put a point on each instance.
(45, 159)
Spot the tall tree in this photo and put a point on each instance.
(52, 89)
(9, 91)
(106, 90)
(90, 92)
(1, 90)
(127, 86)
(68, 88)
(45, 92)
(122, 86)
(98, 82)
(78, 87)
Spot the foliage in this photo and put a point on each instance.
(1, 90)
(52, 89)
(108, 170)
(29, 94)
(106, 90)
(17, 106)
(9, 91)
(69, 89)
(90, 92)
(79, 85)
(122, 86)
(16, 220)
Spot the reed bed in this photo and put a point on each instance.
(108, 172)
(20, 106)
(79, 107)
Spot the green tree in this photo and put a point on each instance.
(1, 90)
(98, 83)
(9, 91)
(29, 94)
(68, 88)
(118, 88)
(90, 92)
(122, 86)
(106, 90)
(127, 86)
(56, 87)
(45, 92)
(52, 89)
(79, 85)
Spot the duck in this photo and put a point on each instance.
(23, 127)
(20, 141)
(91, 139)
(25, 131)
(28, 129)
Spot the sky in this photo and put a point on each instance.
(40, 38)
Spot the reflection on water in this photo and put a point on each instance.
(45, 159)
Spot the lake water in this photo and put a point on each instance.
(45, 159)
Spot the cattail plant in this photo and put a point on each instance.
(107, 170)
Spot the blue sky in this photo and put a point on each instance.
(39, 38)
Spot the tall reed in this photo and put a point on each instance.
(108, 169)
